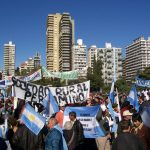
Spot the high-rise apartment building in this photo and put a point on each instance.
(111, 59)
(79, 58)
(52, 48)
(9, 58)
(60, 38)
(66, 42)
(92, 52)
(37, 61)
(124, 68)
(112, 62)
(137, 57)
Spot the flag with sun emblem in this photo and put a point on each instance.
(33, 120)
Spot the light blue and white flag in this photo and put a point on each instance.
(133, 98)
(112, 93)
(87, 117)
(50, 105)
(33, 120)
(111, 111)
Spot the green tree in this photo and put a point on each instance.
(145, 73)
(95, 75)
(122, 86)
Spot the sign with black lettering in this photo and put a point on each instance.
(73, 93)
(32, 92)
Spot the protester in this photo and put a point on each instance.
(78, 131)
(60, 115)
(69, 134)
(25, 139)
(103, 143)
(142, 131)
(127, 116)
(127, 140)
(54, 139)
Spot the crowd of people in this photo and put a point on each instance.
(131, 134)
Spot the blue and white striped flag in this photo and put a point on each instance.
(111, 111)
(33, 120)
(133, 98)
(112, 93)
(50, 105)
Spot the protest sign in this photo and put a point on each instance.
(87, 117)
(142, 82)
(73, 93)
(32, 92)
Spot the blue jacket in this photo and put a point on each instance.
(53, 140)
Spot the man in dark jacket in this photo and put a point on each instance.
(24, 139)
(78, 130)
(142, 131)
(127, 140)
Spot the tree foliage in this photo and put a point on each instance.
(95, 75)
(122, 85)
(145, 73)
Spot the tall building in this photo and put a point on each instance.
(52, 47)
(124, 68)
(112, 62)
(137, 57)
(60, 38)
(111, 59)
(79, 58)
(66, 42)
(37, 61)
(92, 52)
(9, 58)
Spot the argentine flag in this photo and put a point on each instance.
(33, 120)
(112, 93)
(50, 105)
(133, 98)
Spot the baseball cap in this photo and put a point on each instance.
(127, 113)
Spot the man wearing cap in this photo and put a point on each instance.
(126, 116)
(60, 115)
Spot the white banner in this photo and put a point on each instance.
(73, 93)
(33, 77)
(32, 92)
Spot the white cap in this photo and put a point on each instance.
(103, 107)
(127, 113)
(62, 103)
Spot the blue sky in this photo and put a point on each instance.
(96, 22)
